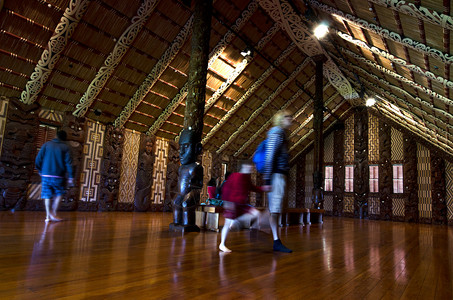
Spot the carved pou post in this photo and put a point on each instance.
(190, 184)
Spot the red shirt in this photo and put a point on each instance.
(236, 189)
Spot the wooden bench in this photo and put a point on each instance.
(207, 217)
(300, 214)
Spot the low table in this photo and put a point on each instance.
(207, 217)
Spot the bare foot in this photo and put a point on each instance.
(224, 249)
(53, 219)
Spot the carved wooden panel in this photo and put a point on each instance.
(361, 169)
(171, 182)
(328, 149)
(449, 190)
(373, 139)
(3, 111)
(300, 179)
(207, 174)
(349, 140)
(51, 115)
(18, 153)
(160, 171)
(144, 178)
(438, 185)
(309, 168)
(385, 171)
(338, 172)
(111, 168)
(410, 179)
(424, 184)
(129, 170)
(93, 152)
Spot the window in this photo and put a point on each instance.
(349, 179)
(374, 179)
(328, 180)
(398, 178)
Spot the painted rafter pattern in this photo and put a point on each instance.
(57, 43)
(239, 68)
(327, 115)
(399, 77)
(419, 12)
(410, 106)
(299, 93)
(385, 33)
(114, 58)
(282, 13)
(397, 60)
(154, 75)
(215, 53)
(249, 92)
(294, 157)
(264, 104)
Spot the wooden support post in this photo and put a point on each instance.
(318, 145)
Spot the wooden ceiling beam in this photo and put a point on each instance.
(445, 57)
(215, 53)
(269, 99)
(253, 88)
(294, 24)
(115, 57)
(68, 22)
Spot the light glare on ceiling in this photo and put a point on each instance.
(370, 101)
(321, 30)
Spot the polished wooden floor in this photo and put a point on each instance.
(134, 256)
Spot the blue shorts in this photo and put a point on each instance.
(52, 186)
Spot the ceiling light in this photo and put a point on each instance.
(321, 30)
(370, 101)
(247, 52)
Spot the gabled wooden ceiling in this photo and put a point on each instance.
(129, 60)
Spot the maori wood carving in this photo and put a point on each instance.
(385, 171)
(110, 171)
(171, 183)
(18, 154)
(338, 172)
(438, 189)
(361, 171)
(144, 181)
(75, 128)
(410, 179)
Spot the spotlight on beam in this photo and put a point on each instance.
(321, 31)
(247, 52)
(370, 101)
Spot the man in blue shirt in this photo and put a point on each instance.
(54, 163)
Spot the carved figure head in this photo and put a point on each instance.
(189, 148)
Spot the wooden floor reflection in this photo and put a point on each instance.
(134, 256)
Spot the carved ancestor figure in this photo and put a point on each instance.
(110, 171)
(190, 180)
(144, 174)
(171, 183)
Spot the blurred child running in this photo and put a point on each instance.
(235, 193)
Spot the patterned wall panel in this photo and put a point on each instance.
(159, 171)
(328, 203)
(424, 182)
(129, 166)
(349, 140)
(348, 204)
(398, 206)
(449, 189)
(207, 174)
(292, 186)
(309, 167)
(397, 145)
(373, 139)
(252, 198)
(51, 115)
(92, 157)
(3, 111)
(374, 206)
(328, 149)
